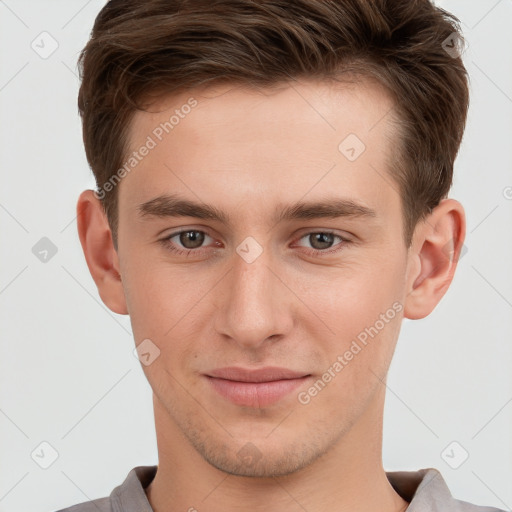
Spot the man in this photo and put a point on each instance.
(271, 202)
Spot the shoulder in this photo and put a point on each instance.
(98, 505)
(426, 490)
(464, 506)
(442, 496)
(127, 497)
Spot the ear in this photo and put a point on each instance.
(100, 254)
(437, 245)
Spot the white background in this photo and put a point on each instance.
(68, 374)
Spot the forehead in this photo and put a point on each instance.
(250, 147)
(321, 105)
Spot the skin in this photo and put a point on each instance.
(247, 152)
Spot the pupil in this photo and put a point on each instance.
(323, 244)
(188, 236)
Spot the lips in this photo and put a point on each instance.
(255, 388)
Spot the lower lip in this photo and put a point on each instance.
(255, 394)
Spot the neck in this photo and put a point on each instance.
(348, 477)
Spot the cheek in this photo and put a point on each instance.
(361, 310)
(351, 298)
(358, 360)
(167, 306)
(151, 294)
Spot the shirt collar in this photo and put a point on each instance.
(425, 489)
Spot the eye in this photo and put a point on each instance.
(190, 240)
(321, 242)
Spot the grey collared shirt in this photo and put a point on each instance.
(425, 490)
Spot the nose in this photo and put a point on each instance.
(256, 304)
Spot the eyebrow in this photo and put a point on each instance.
(171, 205)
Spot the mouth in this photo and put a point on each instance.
(255, 388)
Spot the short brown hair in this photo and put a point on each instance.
(142, 47)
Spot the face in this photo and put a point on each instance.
(296, 261)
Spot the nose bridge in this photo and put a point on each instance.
(254, 303)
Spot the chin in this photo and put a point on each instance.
(260, 458)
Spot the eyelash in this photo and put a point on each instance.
(312, 252)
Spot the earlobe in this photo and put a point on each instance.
(100, 254)
(437, 246)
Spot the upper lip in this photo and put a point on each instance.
(269, 373)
